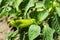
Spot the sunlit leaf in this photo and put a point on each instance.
(58, 11)
(48, 3)
(16, 3)
(30, 4)
(47, 32)
(0, 2)
(55, 24)
(42, 15)
(34, 31)
(5, 12)
(39, 4)
(15, 33)
(59, 0)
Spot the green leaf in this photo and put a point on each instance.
(34, 31)
(16, 3)
(30, 4)
(0, 2)
(42, 15)
(8, 36)
(48, 3)
(47, 32)
(55, 24)
(58, 0)
(4, 12)
(58, 11)
(15, 33)
(39, 4)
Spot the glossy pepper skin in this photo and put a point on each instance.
(22, 23)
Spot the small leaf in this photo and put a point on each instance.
(4, 12)
(0, 2)
(47, 32)
(58, 11)
(48, 3)
(8, 36)
(16, 3)
(15, 33)
(42, 15)
(34, 31)
(55, 24)
(39, 4)
(30, 4)
(58, 0)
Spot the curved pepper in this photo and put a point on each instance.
(22, 23)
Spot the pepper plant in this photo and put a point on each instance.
(33, 19)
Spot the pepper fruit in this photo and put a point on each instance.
(22, 23)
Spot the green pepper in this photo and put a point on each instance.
(12, 22)
(22, 23)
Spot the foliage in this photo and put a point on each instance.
(47, 32)
(35, 19)
(33, 32)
